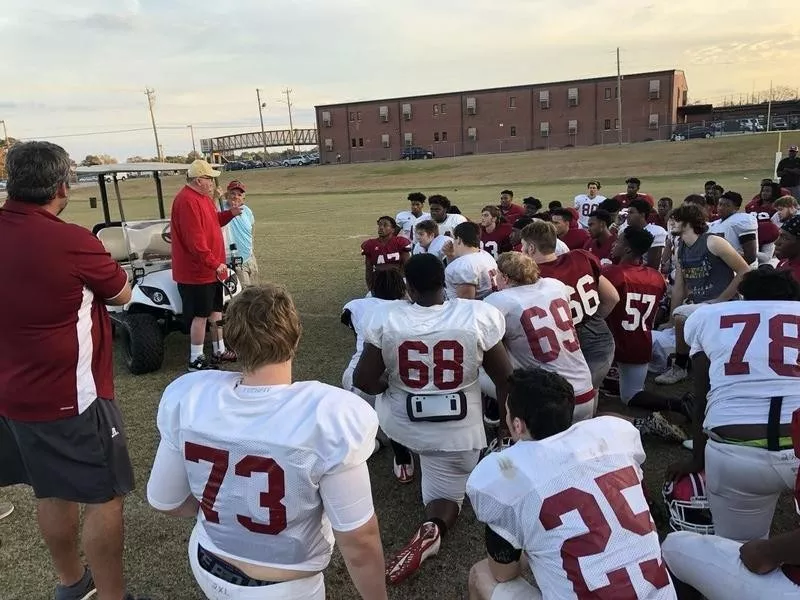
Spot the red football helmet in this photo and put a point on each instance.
(688, 505)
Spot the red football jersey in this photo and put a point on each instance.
(623, 199)
(380, 253)
(512, 213)
(498, 241)
(755, 204)
(601, 251)
(641, 290)
(580, 271)
(575, 238)
(793, 571)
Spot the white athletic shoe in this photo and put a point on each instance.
(6, 508)
(404, 473)
(672, 375)
(688, 444)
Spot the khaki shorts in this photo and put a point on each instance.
(248, 272)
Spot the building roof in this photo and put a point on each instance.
(499, 89)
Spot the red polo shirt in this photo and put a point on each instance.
(198, 247)
(55, 347)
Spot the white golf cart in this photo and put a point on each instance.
(143, 249)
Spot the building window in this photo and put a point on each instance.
(653, 122)
(352, 116)
(444, 134)
(512, 102)
(435, 109)
(326, 118)
(616, 123)
(328, 144)
(655, 89)
(544, 99)
(472, 106)
(385, 140)
(358, 116)
(444, 108)
(407, 111)
(616, 92)
(384, 112)
(572, 127)
(472, 133)
(572, 96)
(684, 98)
(408, 138)
(512, 131)
(544, 128)
(435, 136)
(607, 125)
(607, 94)
(352, 142)
(360, 142)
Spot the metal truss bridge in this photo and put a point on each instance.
(247, 141)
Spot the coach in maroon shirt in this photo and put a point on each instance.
(198, 260)
(60, 430)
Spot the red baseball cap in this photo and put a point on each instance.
(236, 185)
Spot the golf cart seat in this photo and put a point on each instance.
(149, 240)
(113, 238)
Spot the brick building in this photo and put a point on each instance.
(526, 117)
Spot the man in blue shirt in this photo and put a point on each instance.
(241, 233)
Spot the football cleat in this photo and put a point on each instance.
(404, 473)
(425, 543)
(657, 425)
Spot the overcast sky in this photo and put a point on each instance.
(80, 67)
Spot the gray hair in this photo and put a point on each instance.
(35, 170)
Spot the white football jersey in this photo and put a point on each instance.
(406, 221)
(436, 247)
(446, 227)
(359, 314)
(540, 333)
(254, 457)
(659, 234)
(476, 268)
(734, 227)
(586, 206)
(431, 355)
(574, 503)
(754, 353)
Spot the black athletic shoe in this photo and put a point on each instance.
(687, 405)
(491, 412)
(201, 363)
(82, 590)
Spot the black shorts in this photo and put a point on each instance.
(200, 299)
(79, 459)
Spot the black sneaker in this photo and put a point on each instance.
(687, 405)
(83, 590)
(491, 412)
(201, 363)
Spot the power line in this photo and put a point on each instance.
(85, 134)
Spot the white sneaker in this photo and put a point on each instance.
(672, 375)
(688, 444)
(6, 508)
(403, 473)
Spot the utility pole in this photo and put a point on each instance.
(261, 105)
(619, 99)
(194, 147)
(151, 98)
(769, 107)
(5, 132)
(287, 91)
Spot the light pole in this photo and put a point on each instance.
(5, 132)
(194, 148)
(261, 105)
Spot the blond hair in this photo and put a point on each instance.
(518, 267)
(542, 234)
(262, 326)
(786, 202)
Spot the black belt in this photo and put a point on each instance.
(774, 424)
(226, 571)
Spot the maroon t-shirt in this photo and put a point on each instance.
(512, 213)
(793, 266)
(379, 253)
(55, 348)
(497, 241)
(601, 251)
(575, 238)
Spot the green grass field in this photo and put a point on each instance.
(310, 223)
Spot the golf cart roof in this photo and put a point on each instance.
(144, 167)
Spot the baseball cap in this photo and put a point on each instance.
(792, 226)
(793, 148)
(201, 168)
(236, 185)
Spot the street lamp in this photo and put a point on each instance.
(5, 132)
(194, 148)
(261, 106)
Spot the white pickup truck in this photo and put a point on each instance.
(120, 177)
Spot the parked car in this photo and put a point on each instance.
(691, 132)
(120, 177)
(235, 165)
(415, 152)
(295, 161)
(2, 184)
(780, 123)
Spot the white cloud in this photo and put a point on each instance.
(83, 66)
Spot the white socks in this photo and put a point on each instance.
(195, 351)
(219, 347)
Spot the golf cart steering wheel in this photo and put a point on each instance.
(166, 234)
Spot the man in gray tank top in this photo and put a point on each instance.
(708, 271)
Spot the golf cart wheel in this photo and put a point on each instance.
(142, 343)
